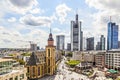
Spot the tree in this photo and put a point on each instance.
(69, 54)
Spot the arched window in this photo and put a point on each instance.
(48, 52)
(33, 71)
(38, 71)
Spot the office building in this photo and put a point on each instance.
(102, 42)
(118, 44)
(76, 35)
(98, 46)
(90, 43)
(8, 70)
(100, 59)
(42, 63)
(112, 59)
(101, 45)
(68, 46)
(112, 36)
(60, 42)
(33, 47)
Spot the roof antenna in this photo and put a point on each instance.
(50, 29)
(77, 11)
(110, 18)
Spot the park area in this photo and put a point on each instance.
(72, 63)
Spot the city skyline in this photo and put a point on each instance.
(25, 21)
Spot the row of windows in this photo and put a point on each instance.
(17, 78)
(33, 70)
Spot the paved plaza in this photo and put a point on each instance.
(64, 74)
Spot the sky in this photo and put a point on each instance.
(22, 21)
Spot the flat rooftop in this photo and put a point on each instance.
(3, 60)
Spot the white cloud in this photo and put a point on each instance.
(12, 19)
(13, 38)
(36, 20)
(104, 5)
(20, 6)
(56, 29)
(9, 37)
(16, 6)
(36, 11)
(61, 11)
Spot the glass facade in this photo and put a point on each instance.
(5, 67)
(60, 42)
(76, 35)
(112, 37)
(90, 43)
(102, 42)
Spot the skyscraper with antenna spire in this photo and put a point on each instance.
(76, 35)
(112, 35)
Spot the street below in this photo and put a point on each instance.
(63, 73)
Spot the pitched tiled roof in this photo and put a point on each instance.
(33, 60)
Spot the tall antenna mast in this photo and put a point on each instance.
(110, 18)
(77, 15)
(77, 11)
(50, 29)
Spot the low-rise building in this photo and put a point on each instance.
(100, 59)
(83, 56)
(89, 57)
(112, 59)
(83, 66)
(9, 72)
(77, 55)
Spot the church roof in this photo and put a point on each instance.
(33, 60)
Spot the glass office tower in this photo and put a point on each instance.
(102, 42)
(90, 43)
(76, 35)
(112, 37)
(60, 42)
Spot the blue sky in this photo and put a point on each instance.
(22, 21)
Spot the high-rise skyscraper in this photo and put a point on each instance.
(90, 43)
(112, 36)
(76, 35)
(33, 47)
(98, 46)
(102, 42)
(118, 44)
(101, 45)
(68, 46)
(60, 42)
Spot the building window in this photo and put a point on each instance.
(42, 69)
(49, 62)
(33, 71)
(48, 52)
(11, 79)
(48, 70)
(16, 78)
(38, 71)
(21, 76)
(28, 69)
